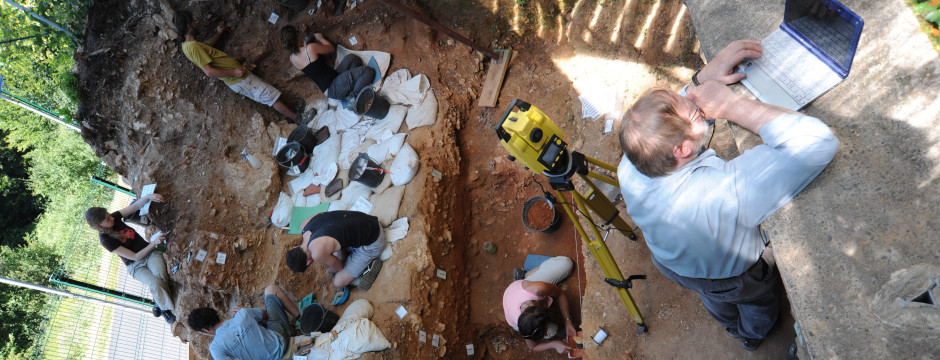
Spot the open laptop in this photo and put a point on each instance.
(808, 55)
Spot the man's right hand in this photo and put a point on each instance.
(721, 67)
(717, 101)
(238, 72)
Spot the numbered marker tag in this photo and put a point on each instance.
(201, 255)
(609, 126)
(353, 41)
(401, 312)
(442, 274)
(273, 18)
(435, 340)
(469, 349)
(422, 337)
(220, 258)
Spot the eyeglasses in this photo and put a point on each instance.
(697, 110)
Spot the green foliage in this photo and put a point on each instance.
(19, 208)
(21, 309)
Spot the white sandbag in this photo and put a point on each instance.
(386, 254)
(385, 149)
(337, 119)
(385, 184)
(405, 166)
(409, 92)
(356, 334)
(361, 336)
(298, 199)
(301, 182)
(352, 193)
(396, 79)
(324, 173)
(423, 114)
(386, 204)
(391, 122)
(350, 142)
(337, 205)
(312, 200)
(281, 214)
(397, 230)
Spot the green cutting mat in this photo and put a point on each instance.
(299, 214)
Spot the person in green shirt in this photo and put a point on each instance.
(218, 64)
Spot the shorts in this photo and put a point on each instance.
(360, 257)
(277, 318)
(553, 271)
(256, 89)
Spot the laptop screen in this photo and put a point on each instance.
(825, 24)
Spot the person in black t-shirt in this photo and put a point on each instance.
(329, 237)
(143, 261)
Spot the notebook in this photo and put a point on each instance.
(809, 54)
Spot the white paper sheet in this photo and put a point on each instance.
(144, 191)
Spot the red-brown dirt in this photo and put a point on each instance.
(140, 86)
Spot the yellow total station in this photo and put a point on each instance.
(533, 139)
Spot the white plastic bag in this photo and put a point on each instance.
(281, 214)
(405, 166)
(397, 230)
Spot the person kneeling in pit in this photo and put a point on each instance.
(243, 336)
(310, 57)
(527, 304)
(329, 237)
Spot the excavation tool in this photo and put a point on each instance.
(534, 140)
(499, 59)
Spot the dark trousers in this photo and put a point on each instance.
(749, 302)
(353, 76)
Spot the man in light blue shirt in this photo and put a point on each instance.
(700, 214)
(243, 336)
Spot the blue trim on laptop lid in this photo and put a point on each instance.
(847, 15)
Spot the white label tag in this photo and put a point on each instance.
(201, 255)
(469, 349)
(422, 337)
(353, 41)
(442, 274)
(273, 18)
(220, 258)
(435, 340)
(401, 312)
(609, 126)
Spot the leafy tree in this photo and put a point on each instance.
(19, 207)
(21, 309)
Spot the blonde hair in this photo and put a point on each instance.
(650, 130)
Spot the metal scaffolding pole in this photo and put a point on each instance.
(49, 290)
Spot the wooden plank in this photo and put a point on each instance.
(494, 79)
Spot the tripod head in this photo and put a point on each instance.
(533, 139)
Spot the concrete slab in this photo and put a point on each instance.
(874, 211)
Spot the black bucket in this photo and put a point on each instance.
(296, 5)
(315, 317)
(292, 155)
(525, 214)
(305, 136)
(370, 104)
(363, 171)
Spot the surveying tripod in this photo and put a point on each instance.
(535, 141)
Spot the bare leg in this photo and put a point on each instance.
(289, 305)
(284, 109)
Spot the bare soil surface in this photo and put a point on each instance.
(153, 116)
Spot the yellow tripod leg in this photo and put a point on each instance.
(602, 255)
